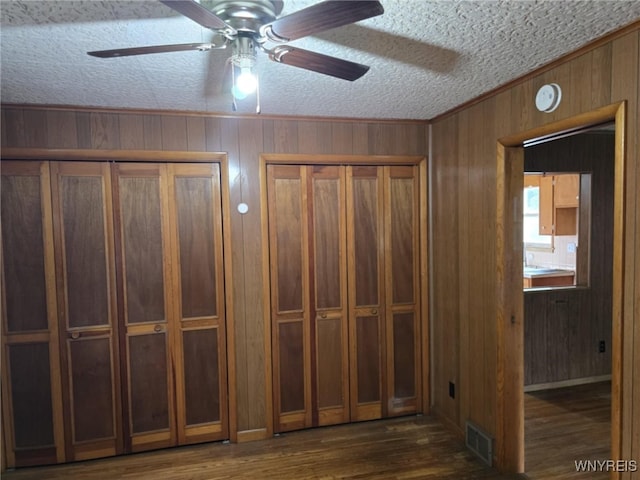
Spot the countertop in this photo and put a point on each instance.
(541, 272)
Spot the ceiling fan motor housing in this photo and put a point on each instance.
(245, 15)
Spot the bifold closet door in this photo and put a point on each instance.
(172, 290)
(328, 285)
(144, 286)
(402, 289)
(384, 310)
(31, 389)
(83, 226)
(290, 316)
(367, 335)
(200, 353)
(309, 300)
(345, 314)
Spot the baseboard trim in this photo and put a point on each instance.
(449, 424)
(566, 383)
(252, 435)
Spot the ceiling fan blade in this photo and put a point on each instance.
(125, 52)
(199, 14)
(321, 16)
(318, 62)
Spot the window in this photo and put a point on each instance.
(531, 220)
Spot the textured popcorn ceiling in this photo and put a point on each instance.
(426, 56)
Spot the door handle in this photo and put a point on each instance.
(323, 315)
(75, 335)
(157, 328)
(374, 311)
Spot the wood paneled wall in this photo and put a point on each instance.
(463, 200)
(243, 139)
(587, 318)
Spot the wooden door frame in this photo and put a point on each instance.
(332, 159)
(165, 156)
(510, 312)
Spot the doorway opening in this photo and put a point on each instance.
(567, 303)
(510, 431)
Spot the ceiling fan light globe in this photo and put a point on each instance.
(246, 83)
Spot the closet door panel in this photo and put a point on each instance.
(86, 292)
(143, 241)
(366, 281)
(198, 282)
(290, 315)
(202, 382)
(197, 243)
(92, 389)
(32, 418)
(141, 223)
(291, 364)
(368, 359)
(86, 261)
(149, 398)
(402, 230)
(404, 365)
(402, 289)
(31, 388)
(327, 231)
(23, 248)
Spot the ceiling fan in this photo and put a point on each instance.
(246, 25)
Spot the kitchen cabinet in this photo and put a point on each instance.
(343, 244)
(566, 190)
(559, 201)
(114, 332)
(555, 278)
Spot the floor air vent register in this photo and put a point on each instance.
(479, 443)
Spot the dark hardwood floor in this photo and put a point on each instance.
(566, 425)
(561, 425)
(400, 448)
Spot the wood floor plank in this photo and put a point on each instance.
(566, 425)
(406, 448)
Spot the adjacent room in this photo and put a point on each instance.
(320, 239)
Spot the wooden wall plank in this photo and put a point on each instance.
(361, 139)
(131, 132)
(624, 86)
(580, 83)
(601, 76)
(285, 136)
(83, 121)
(444, 305)
(105, 131)
(250, 132)
(35, 129)
(213, 132)
(13, 127)
(174, 132)
(342, 137)
(634, 153)
(465, 151)
(488, 258)
(152, 132)
(61, 129)
(196, 136)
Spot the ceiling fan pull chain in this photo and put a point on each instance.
(258, 94)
